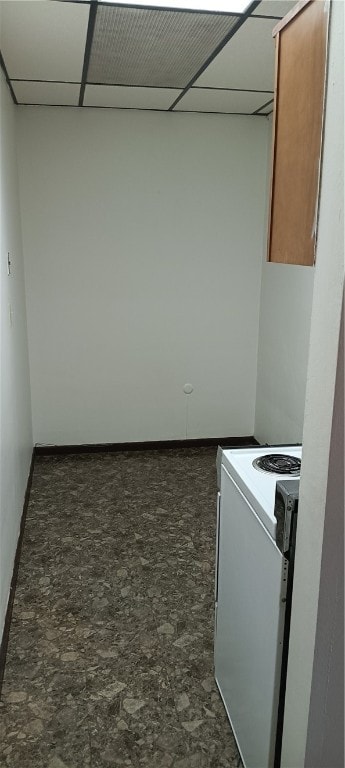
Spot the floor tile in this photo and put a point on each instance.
(110, 659)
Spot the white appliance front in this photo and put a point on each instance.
(250, 611)
(258, 487)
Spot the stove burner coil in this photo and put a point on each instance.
(279, 463)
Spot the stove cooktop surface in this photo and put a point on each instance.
(257, 485)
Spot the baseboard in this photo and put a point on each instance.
(204, 442)
(8, 617)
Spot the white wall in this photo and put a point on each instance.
(15, 410)
(321, 377)
(143, 241)
(325, 742)
(285, 312)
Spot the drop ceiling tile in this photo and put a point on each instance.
(277, 8)
(246, 61)
(133, 98)
(138, 46)
(46, 93)
(44, 40)
(267, 107)
(208, 100)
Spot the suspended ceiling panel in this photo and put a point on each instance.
(134, 46)
(205, 100)
(247, 61)
(46, 93)
(267, 108)
(278, 8)
(44, 40)
(130, 98)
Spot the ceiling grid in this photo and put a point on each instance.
(84, 53)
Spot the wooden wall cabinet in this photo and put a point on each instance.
(301, 53)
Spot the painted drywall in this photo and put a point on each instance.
(325, 742)
(321, 377)
(15, 408)
(143, 241)
(285, 313)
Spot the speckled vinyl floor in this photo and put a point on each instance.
(110, 658)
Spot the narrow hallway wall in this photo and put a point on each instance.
(317, 487)
(15, 411)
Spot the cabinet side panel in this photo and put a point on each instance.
(299, 115)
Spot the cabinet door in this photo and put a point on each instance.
(301, 46)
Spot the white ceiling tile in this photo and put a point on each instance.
(277, 8)
(268, 106)
(246, 61)
(208, 100)
(44, 40)
(46, 93)
(124, 96)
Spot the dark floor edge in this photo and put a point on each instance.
(8, 617)
(151, 445)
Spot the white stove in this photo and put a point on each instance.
(259, 487)
(253, 592)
